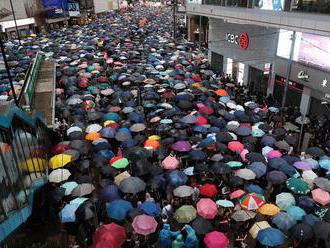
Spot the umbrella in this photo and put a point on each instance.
(132, 185)
(321, 196)
(322, 230)
(69, 186)
(283, 221)
(137, 127)
(109, 193)
(322, 183)
(254, 188)
(258, 226)
(109, 236)
(208, 190)
(118, 209)
(296, 213)
(60, 160)
(150, 208)
(202, 226)
(59, 175)
(252, 201)
(170, 163)
(67, 214)
(177, 178)
(271, 237)
(258, 168)
(235, 146)
(302, 165)
(243, 215)
(207, 208)
(225, 203)
(276, 177)
(181, 146)
(302, 232)
(119, 162)
(120, 177)
(93, 128)
(237, 194)
(144, 224)
(183, 191)
(215, 240)
(185, 214)
(83, 189)
(269, 209)
(285, 200)
(246, 174)
(315, 151)
(297, 186)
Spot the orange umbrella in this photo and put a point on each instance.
(151, 144)
(221, 92)
(92, 136)
(269, 209)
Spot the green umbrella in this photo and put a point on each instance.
(104, 86)
(90, 68)
(119, 162)
(297, 186)
(290, 127)
(91, 88)
(137, 153)
(234, 164)
(185, 214)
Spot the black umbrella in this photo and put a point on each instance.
(202, 226)
(315, 151)
(220, 168)
(322, 230)
(302, 232)
(255, 157)
(86, 211)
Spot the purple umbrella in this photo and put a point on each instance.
(181, 146)
(301, 165)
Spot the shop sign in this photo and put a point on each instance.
(303, 75)
(325, 83)
(267, 69)
(241, 40)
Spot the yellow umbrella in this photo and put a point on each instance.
(257, 227)
(269, 209)
(108, 122)
(121, 177)
(60, 160)
(34, 165)
(154, 137)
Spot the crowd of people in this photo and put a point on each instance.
(157, 150)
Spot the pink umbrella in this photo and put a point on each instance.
(235, 146)
(216, 240)
(207, 208)
(274, 154)
(144, 224)
(170, 163)
(321, 196)
(237, 194)
(243, 155)
(181, 146)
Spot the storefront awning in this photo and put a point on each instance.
(21, 22)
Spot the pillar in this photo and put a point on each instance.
(271, 81)
(305, 100)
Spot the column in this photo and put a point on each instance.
(305, 100)
(271, 81)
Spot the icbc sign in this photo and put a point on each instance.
(239, 39)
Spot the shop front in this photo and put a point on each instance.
(247, 52)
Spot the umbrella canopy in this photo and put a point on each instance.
(144, 224)
(208, 190)
(243, 215)
(216, 239)
(254, 230)
(60, 160)
(246, 174)
(302, 232)
(150, 208)
(170, 163)
(321, 196)
(285, 200)
(118, 209)
(67, 214)
(295, 212)
(181, 146)
(252, 201)
(225, 203)
(59, 175)
(183, 191)
(283, 221)
(132, 185)
(202, 226)
(271, 237)
(185, 214)
(109, 236)
(269, 209)
(119, 162)
(298, 186)
(83, 189)
(207, 208)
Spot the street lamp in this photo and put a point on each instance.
(2, 47)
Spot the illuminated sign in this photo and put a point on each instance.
(241, 40)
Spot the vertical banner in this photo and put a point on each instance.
(74, 9)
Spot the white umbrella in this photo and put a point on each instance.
(59, 175)
(183, 191)
(99, 140)
(246, 174)
(93, 128)
(302, 120)
(83, 189)
(73, 129)
(309, 176)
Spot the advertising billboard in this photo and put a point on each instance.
(277, 5)
(309, 49)
(55, 8)
(74, 9)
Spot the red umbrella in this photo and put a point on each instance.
(207, 208)
(201, 120)
(216, 240)
(205, 109)
(208, 189)
(235, 146)
(109, 236)
(60, 148)
(197, 78)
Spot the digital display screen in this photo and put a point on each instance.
(277, 5)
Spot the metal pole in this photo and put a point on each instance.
(174, 18)
(8, 71)
(301, 133)
(288, 72)
(12, 10)
(200, 32)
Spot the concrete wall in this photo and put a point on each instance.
(262, 43)
(19, 8)
(102, 6)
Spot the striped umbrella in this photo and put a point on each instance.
(252, 201)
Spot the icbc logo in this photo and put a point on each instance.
(242, 40)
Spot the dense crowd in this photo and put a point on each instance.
(157, 150)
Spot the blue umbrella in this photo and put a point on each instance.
(306, 203)
(118, 209)
(68, 214)
(111, 116)
(108, 132)
(295, 212)
(277, 163)
(200, 129)
(283, 221)
(254, 188)
(310, 219)
(325, 164)
(109, 193)
(258, 168)
(288, 169)
(106, 154)
(69, 186)
(177, 178)
(271, 237)
(243, 131)
(224, 99)
(150, 208)
(197, 155)
(268, 140)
